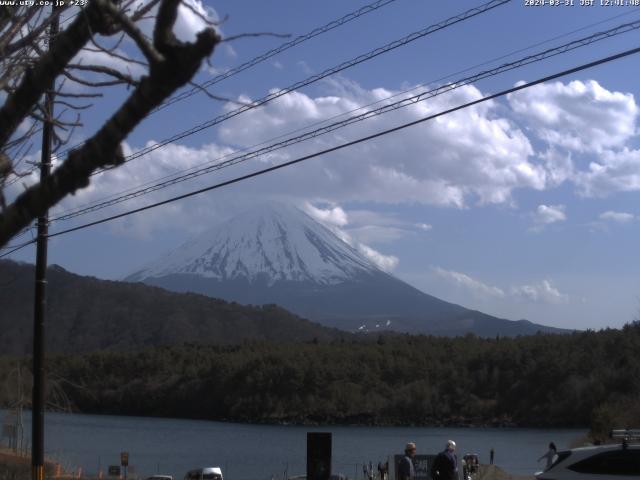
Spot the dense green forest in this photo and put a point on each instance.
(127, 316)
(582, 379)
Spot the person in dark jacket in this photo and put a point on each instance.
(445, 465)
(406, 470)
(549, 456)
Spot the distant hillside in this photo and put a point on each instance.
(85, 314)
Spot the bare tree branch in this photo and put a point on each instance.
(28, 39)
(217, 97)
(142, 11)
(174, 67)
(136, 35)
(199, 15)
(15, 29)
(96, 84)
(36, 80)
(73, 106)
(113, 54)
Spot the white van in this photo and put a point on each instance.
(207, 473)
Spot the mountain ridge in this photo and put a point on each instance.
(280, 241)
(86, 314)
(279, 254)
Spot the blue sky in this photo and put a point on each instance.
(524, 207)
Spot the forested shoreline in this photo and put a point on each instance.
(585, 379)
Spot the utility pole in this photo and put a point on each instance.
(38, 401)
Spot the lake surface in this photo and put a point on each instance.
(256, 452)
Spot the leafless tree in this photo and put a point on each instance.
(29, 65)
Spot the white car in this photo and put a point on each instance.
(208, 473)
(603, 462)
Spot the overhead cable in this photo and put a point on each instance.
(405, 102)
(314, 78)
(275, 51)
(268, 54)
(367, 138)
(343, 114)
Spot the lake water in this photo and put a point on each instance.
(256, 452)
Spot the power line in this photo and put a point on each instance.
(446, 77)
(314, 78)
(372, 7)
(275, 51)
(357, 141)
(624, 28)
(18, 235)
(626, 13)
(17, 247)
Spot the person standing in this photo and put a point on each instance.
(406, 470)
(491, 456)
(549, 455)
(445, 465)
(383, 469)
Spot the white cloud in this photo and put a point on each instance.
(584, 122)
(384, 262)
(543, 292)
(611, 172)
(578, 116)
(161, 163)
(548, 214)
(377, 234)
(230, 51)
(90, 57)
(469, 155)
(370, 227)
(189, 22)
(336, 219)
(618, 217)
(559, 166)
(475, 286)
(334, 216)
(474, 156)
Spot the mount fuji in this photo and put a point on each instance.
(279, 254)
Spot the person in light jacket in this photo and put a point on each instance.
(406, 470)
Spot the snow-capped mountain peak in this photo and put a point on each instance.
(274, 242)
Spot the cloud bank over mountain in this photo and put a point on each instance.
(577, 133)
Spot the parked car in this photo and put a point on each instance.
(160, 477)
(602, 462)
(207, 473)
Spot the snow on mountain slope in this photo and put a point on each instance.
(273, 241)
(278, 254)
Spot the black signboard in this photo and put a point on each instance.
(114, 470)
(318, 455)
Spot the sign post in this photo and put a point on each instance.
(318, 455)
(124, 461)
